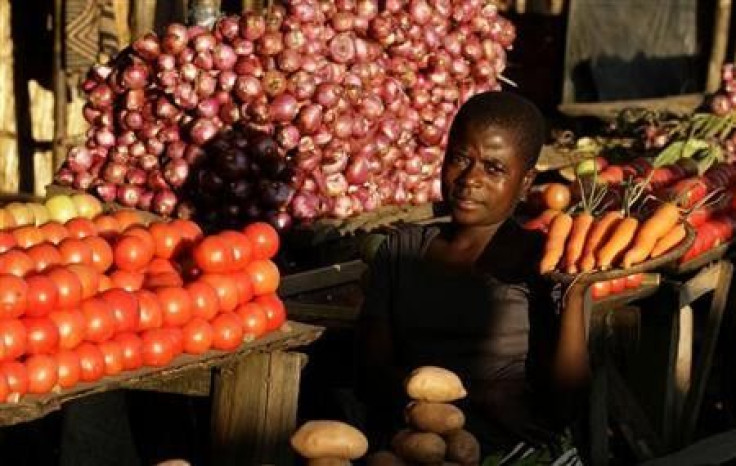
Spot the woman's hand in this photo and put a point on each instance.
(570, 364)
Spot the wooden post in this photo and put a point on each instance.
(720, 43)
(254, 407)
(143, 17)
(60, 96)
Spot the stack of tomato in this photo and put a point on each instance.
(616, 286)
(92, 298)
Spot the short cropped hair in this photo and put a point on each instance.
(507, 111)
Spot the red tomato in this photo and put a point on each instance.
(54, 232)
(101, 253)
(42, 335)
(127, 218)
(112, 354)
(213, 255)
(254, 319)
(124, 306)
(89, 278)
(91, 362)
(100, 320)
(105, 283)
(13, 336)
(163, 280)
(128, 281)
(68, 286)
(190, 231)
(601, 289)
(69, 368)
(198, 335)
(75, 251)
(176, 305)
(618, 285)
(44, 256)
(13, 296)
(556, 196)
(698, 217)
(275, 310)
(151, 315)
(167, 239)
(131, 253)
(239, 246)
(107, 226)
(43, 373)
(156, 349)
(131, 346)
(205, 303)
(7, 241)
(16, 262)
(28, 236)
(16, 375)
(228, 331)
(71, 326)
(264, 276)
(176, 338)
(143, 234)
(159, 265)
(81, 228)
(245, 288)
(264, 240)
(226, 289)
(42, 296)
(634, 280)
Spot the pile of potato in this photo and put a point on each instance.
(435, 434)
(329, 443)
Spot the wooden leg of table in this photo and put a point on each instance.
(254, 407)
(683, 363)
(599, 418)
(694, 400)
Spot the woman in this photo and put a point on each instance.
(467, 295)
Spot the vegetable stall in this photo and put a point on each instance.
(242, 160)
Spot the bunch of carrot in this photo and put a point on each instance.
(584, 241)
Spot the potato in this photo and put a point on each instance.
(328, 462)
(329, 439)
(420, 447)
(434, 384)
(439, 418)
(384, 458)
(463, 447)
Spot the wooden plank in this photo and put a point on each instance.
(722, 18)
(195, 382)
(691, 410)
(718, 449)
(254, 409)
(682, 104)
(324, 277)
(683, 362)
(700, 284)
(30, 407)
(59, 80)
(699, 262)
(143, 15)
(599, 450)
(323, 314)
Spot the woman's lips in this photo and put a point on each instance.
(465, 204)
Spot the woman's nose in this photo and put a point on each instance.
(472, 174)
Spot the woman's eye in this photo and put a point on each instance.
(460, 159)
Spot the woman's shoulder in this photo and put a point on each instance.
(407, 240)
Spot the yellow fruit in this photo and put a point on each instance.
(61, 208)
(40, 213)
(6, 220)
(87, 205)
(21, 213)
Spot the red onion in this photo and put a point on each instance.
(252, 26)
(342, 48)
(357, 172)
(305, 205)
(175, 38)
(202, 131)
(145, 201)
(126, 138)
(155, 147)
(302, 85)
(289, 61)
(147, 46)
(334, 162)
(176, 149)
(224, 57)
(271, 44)
(249, 66)
(64, 177)
(229, 113)
(274, 83)
(328, 94)
(119, 155)
(83, 181)
(310, 118)
(148, 162)
(176, 172)
(169, 134)
(105, 137)
(208, 108)
(164, 202)
(304, 12)
(106, 191)
(79, 159)
(284, 108)
(288, 137)
(342, 207)
(136, 176)
(135, 76)
(165, 109)
(228, 27)
(168, 79)
(204, 61)
(156, 180)
(101, 97)
(247, 88)
(114, 172)
(204, 42)
(189, 72)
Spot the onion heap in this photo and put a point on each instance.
(356, 100)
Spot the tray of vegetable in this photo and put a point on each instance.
(589, 243)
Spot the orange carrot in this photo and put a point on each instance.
(617, 243)
(652, 230)
(559, 230)
(598, 233)
(580, 228)
(670, 240)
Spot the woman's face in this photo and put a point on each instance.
(483, 175)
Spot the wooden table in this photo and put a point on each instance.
(254, 394)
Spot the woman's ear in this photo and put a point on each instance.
(527, 182)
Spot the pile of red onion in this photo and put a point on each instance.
(355, 99)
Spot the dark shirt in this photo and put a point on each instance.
(495, 328)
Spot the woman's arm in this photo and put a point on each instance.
(570, 368)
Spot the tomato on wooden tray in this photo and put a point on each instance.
(228, 331)
(618, 285)
(54, 232)
(16, 262)
(81, 228)
(7, 241)
(226, 289)
(43, 373)
(198, 335)
(68, 286)
(69, 368)
(176, 305)
(13, 336)
(42, 296)
(190, 231)
(91, 362)
(71, 325)
(167, 240)
(264, 240)
(44, 256)
(28, 236)
(13, 296)
(99, 319)
(75, 251)
(128, 281)
(131, 253)
(107, 226)
(156, 348)
(205, 302)
(275, 311)
(89, 278)
(124, 307)
(151, 315)
(601, 289)
(42, 335)
(213, 255)
(102, 256)
(16, 375)
(112, 355)
(131, 345)
(244, 286)
(254, 319)
(264, 276)
(634, 280)
(239, 246)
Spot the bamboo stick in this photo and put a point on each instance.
(59, 80)
(143, 17)
(42, 104)
(720, 42)
(8, 146)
